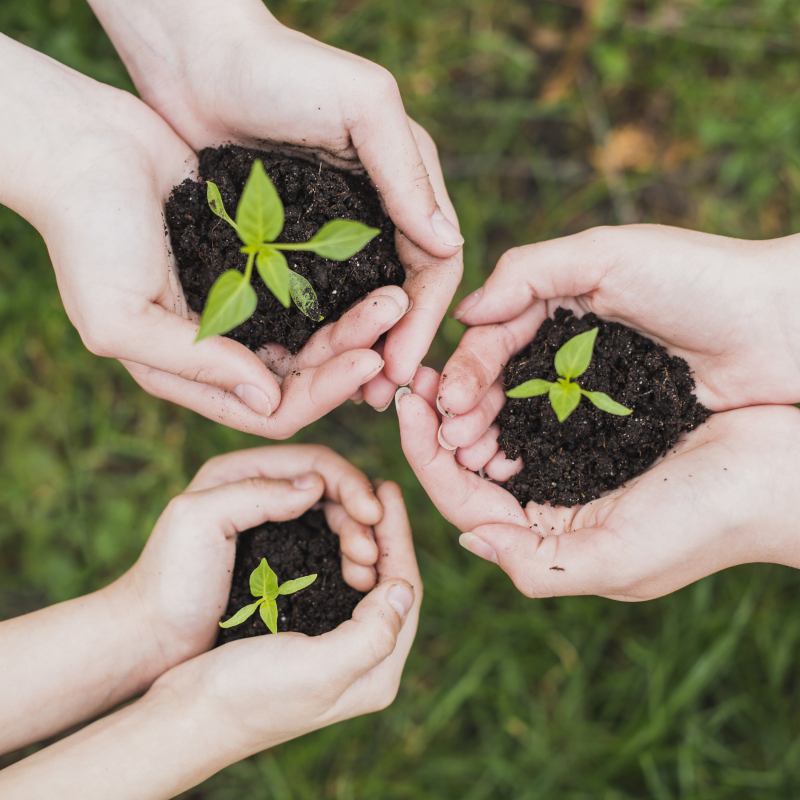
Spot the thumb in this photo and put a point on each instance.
(567, 267)
(369, 638)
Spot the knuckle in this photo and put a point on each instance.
(383, 82)
(181, 506)
(385, 697)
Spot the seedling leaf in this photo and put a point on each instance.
(275, 273)
(231, 301)
(530, 388)
(564, 399)
(574, 357)
(216, 205)
(241, 615)
(269, 613)
(340, 239)
(304, 296)
(605, 403)
(259, 215)
(263, 581)
(290, 587)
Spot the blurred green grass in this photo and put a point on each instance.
(550, 117)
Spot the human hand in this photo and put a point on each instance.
(718, 498)
(232, 73)
(726, 306)
(182, 579)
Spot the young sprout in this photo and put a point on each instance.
(264, 585)
(572, 360)
(259, 221)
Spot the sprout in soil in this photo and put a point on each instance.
(572, 360)
(264, 585)
(259, 221)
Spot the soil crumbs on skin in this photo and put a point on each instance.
(293, 549)
(205, 246)
(573, 462)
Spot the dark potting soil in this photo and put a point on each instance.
(294, 549)
(573, 462)
(205, 246)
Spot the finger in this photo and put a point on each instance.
(387, 147)
(465, 430)
(479, 454)
(356, 540)
(306, 396)
(426, 385)
(482, 355)
(396, 557)
(571, 267)
(500, 468)
(461, 496)
(379, 392)
(361, 578)
(344, 484)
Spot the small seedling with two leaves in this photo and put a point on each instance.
(572, 360)
(259, 221)
(264, 585)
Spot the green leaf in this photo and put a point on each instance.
(339, 239)
(530, 388)
(304, 296)
(263, 581)
(241, 615)
(215, 203)
(564, 399)
(275, 273)
(269, 613)
(573, 358)
(290, 587)
(230, 302)
(605, 403)
(260, 211)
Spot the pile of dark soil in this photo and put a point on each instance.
(573, 462)
(293, 549)
(312, 194)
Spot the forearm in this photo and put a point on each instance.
(157, 747)
(71, 662)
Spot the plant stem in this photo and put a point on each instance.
(248, 271)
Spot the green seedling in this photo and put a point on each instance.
(572, 360)
(264, 586)
(259, 221)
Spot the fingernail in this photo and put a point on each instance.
(305, 481)
(448, 414)
(401, 598)
(381, 410)
(369, 377)
(469, 541)
(253, 398)
(445, 231)
(401, 392)
(467, 303)
(443, 442)
(403, 313)
(358, 402)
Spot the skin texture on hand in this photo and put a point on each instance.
(231, 73)
(246, 696)
(728, 307)
(718, 498)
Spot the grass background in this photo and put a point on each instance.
(550, 117)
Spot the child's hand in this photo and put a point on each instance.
(727, 306)
(718, 498)
(182, 579)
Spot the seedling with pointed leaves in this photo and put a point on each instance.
(264, 586)
(572, 360)
(259, 221)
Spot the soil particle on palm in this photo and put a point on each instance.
(573, 462)
(294, 549)
(205, 246)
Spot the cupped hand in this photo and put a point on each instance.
(268, 689)
(182, 579)
(720, 497)
(232, 73)
(726, 306)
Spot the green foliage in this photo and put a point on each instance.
(264, 585)
(259, 221)
(571, 361)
